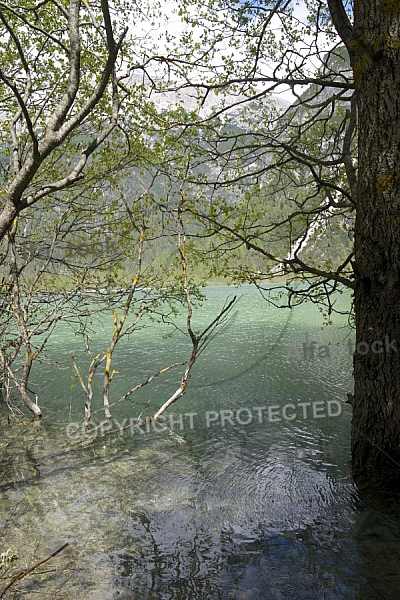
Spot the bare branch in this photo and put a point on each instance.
(341, 21)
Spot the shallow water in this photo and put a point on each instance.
(223, 499)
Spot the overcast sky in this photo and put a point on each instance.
(171, 24)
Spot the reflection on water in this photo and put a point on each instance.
(235, 510)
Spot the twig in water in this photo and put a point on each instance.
(30, 569)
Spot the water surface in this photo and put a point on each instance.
(242, 492)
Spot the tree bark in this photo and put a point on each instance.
(375, 56)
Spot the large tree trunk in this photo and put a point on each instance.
(375, 55)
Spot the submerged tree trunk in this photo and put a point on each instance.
(375, 55)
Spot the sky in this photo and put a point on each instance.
(171, 24)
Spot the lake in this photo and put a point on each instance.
(241, 491)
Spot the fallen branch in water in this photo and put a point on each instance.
(58, 590)
(30, 569)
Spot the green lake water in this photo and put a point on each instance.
(241, 491)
